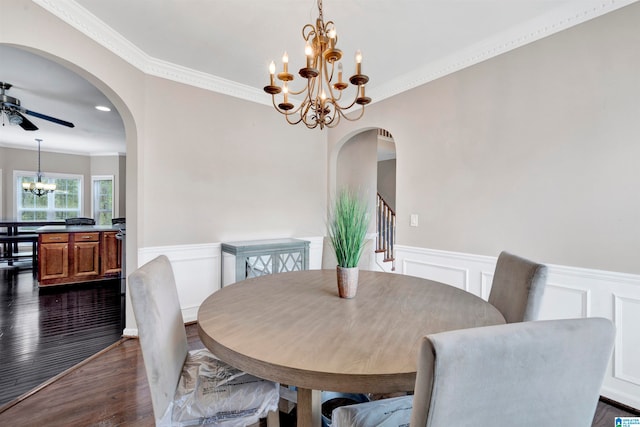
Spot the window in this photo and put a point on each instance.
(102, 201)
(64, 202)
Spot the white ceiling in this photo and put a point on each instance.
(226, 46)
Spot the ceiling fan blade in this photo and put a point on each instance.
(49, 118)
(26, 124)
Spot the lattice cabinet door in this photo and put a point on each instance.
(243, 260)
(259, 265)
(290, 261)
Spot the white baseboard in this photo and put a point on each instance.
(130, 333)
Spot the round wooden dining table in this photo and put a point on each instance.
(294, 329)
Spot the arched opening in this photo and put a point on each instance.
(126, 181)
(365, 162)
(52, 308)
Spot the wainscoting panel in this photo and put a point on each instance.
(570, 293)
(627, 353)
(197, 272)
(565, 302)
(454, 276)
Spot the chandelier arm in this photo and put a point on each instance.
(310, 125)
(327, 80)
(287, 117)
(335, 119)
(281, 111)
(304, 114)
(328, 26)
(355, 118)
(311, 32)
(352, 103)
(292, 92)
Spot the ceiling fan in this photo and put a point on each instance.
(11, 107)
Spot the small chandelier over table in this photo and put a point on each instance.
(324, 89)
(38, 187)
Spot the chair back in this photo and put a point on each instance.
(80, 221)
(531, 374)
(517, 288)
(163, 338)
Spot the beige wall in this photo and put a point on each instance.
(356, 169)
(387, 181)
(535, 151)
(201, 167)
(357, 165)
(225, 169)
(12, 159)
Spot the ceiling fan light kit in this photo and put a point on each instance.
(323, 71)
(11, 107)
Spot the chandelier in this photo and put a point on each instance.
(38, 187)
(324, 89)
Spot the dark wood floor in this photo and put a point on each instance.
(44, 331)
(110, 388)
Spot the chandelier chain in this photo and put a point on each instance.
(38, 188)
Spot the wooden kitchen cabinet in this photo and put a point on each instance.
(78, 256)
(111, 254)
(53, 257)
(86, 256)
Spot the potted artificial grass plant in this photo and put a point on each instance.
(348, 224)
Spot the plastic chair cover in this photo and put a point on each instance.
(210, 392)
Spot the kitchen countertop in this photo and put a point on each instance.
(76, 228)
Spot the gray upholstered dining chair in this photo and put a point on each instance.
(530, 374)
(190, 387)
(517, 288)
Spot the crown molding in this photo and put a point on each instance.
(571, 14)
(79, 18)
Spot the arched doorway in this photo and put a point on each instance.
(47, 77)
(366, 162)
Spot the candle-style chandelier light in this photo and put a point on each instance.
(38, 187)
(323, 71)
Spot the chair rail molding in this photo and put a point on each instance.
(571, 292)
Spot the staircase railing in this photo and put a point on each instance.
(385, 228)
